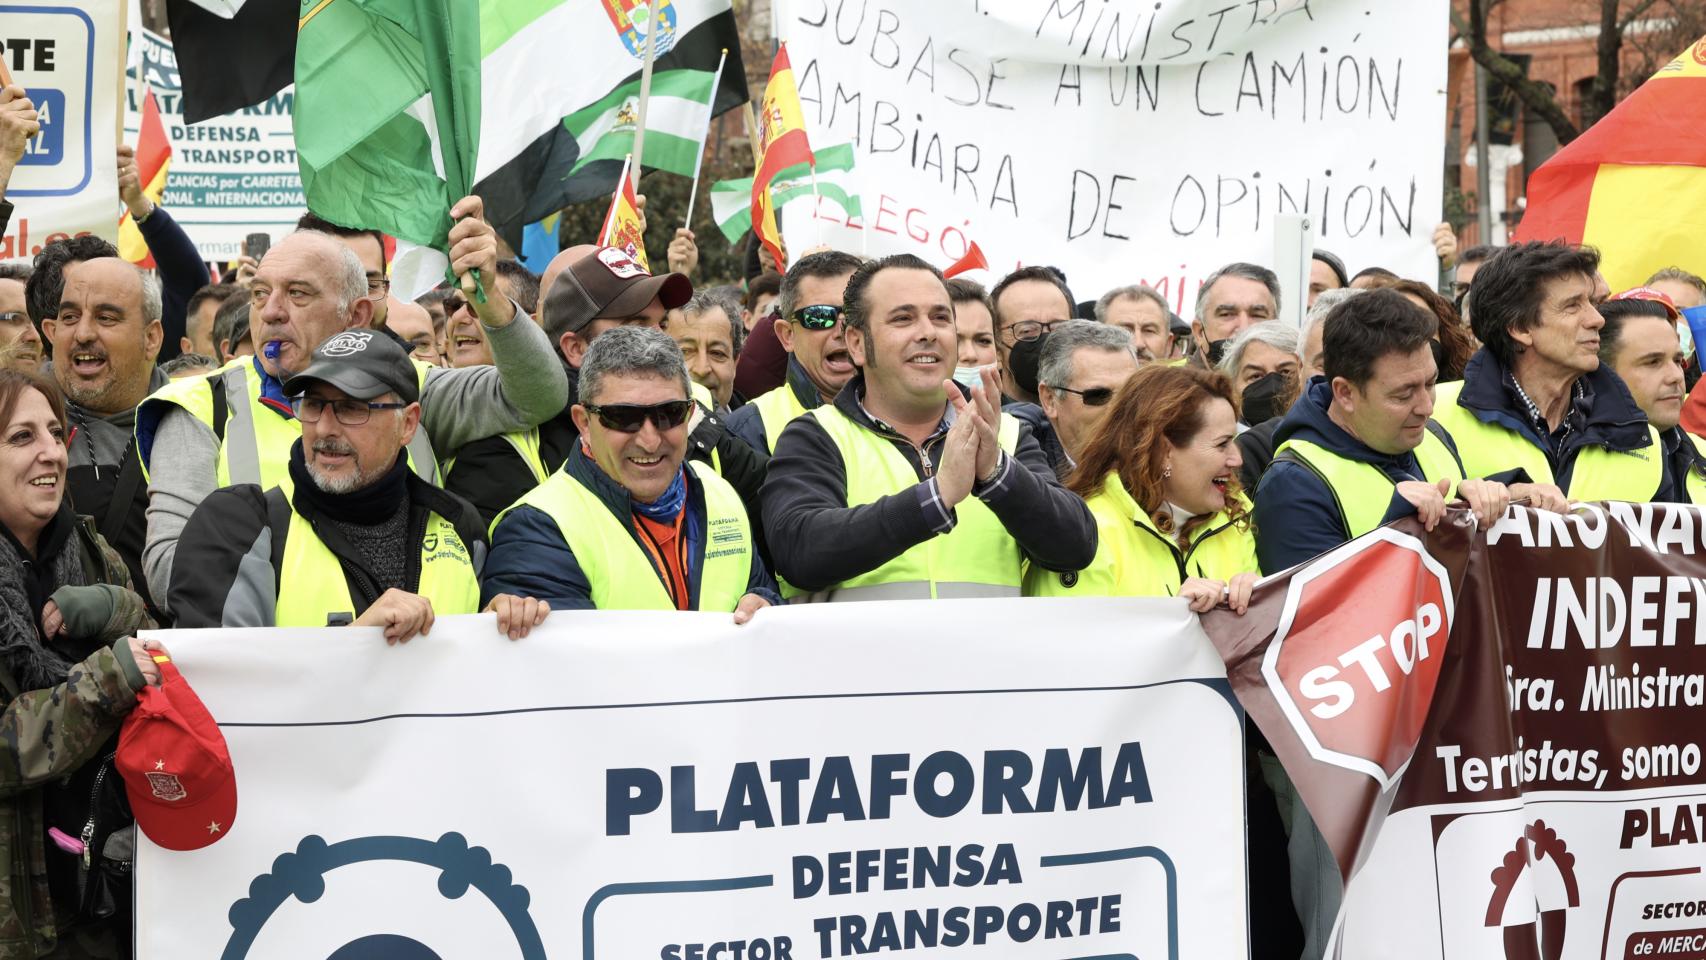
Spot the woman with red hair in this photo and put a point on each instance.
(1161, 478)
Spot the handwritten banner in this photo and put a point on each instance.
(1126, 140)
(1009, 778)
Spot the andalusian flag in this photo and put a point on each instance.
(404, 106)
(675, 123)
(153, 156)
(1634, 184)
(781, 144)
(731, 200)
(622, 224)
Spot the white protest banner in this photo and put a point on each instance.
(230, 176)
(1009, 778)
(67, 55)
(1127, 141)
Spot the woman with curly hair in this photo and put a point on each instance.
(1161, 478)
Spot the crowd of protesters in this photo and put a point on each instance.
(288, 445)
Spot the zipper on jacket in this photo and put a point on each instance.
(1172, 547)
(88, 833)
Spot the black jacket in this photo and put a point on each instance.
(1682, 458)
(237, 533)
(817, 540)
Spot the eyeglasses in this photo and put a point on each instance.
(819, 316)
(1093, 397)
(1027, 330)
(377, 286)
(13, 316)
(631, 417)
(350, 413)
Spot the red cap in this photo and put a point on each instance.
(1656, 296)
(177, 771)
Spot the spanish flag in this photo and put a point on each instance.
(1634, 184)
(153, 156)
(622, 224)
(781, 144)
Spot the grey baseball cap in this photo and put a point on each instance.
(362, 363)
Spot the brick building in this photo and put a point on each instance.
(1557, 41)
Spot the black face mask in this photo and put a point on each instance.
(1262, 398)
(1022, 361)
(1439, 360)
(1216, 350)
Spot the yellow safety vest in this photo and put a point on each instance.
(622, 575)
(254, 438)
(978, 558)
(1135, 559)
(1363, 491)
(1695, 484)
(1599, 473)
(311, 584)
(776, 409)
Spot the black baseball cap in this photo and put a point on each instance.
(362, 363)
(608, 282)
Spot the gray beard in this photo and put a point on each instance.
(340, 483)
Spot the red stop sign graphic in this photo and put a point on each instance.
(1358, 651)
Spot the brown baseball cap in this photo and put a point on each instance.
(608, 283)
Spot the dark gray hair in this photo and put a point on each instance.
(719, 298)
(1248, 271)
(18, 270)
(631, 351)
(1136, 291)
(1055, 366)
(823, 265)
(1275, 333)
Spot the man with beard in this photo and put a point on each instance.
(20, 344)
(105, 336)
(909, 486)
(408, 552)
(236, 426)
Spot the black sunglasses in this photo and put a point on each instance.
(1093, 397)
(820, 316)
(631, 417)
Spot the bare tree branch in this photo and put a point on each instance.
(1536, 96)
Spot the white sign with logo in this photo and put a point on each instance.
(230, 176)
(1126, 141)
(66, 54)
(1007, 778)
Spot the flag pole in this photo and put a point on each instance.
(645, 87)
(699, 158)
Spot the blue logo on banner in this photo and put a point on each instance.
(48, 146)
(301, 875)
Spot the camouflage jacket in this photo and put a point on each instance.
(48, 734)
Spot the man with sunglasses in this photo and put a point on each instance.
(407, 551)
(910, 486)
(810, 329)
(1083, 365)
(601, 290)
(627, 523)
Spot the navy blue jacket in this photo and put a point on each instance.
(1606, 415)
(529, 557)
(182, 273)
(1296, 516)
(746, 423)
(1682, 457)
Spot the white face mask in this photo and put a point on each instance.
(968, 377)
(1683, 332)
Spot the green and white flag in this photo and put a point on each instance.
(731, 200)
(405, 106)
(675, 122)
